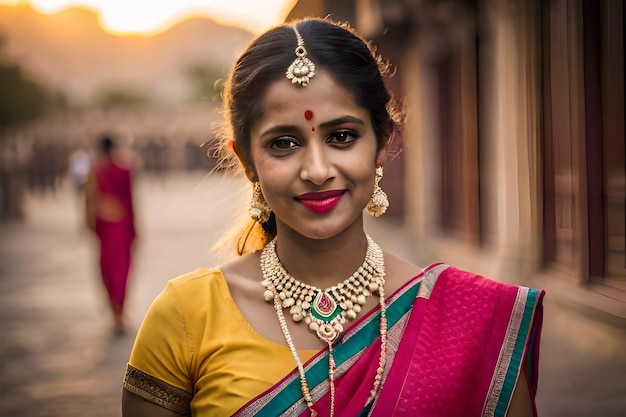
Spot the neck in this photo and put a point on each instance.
(322, 262)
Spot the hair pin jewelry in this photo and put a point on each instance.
(301, 69)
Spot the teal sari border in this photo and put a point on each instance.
(518, 353)
(317, 371)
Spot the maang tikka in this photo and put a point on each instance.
(301, 69)
(259, 209)
(378, 203)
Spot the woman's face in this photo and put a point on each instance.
(315, 153)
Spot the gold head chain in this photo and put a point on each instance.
(301, 69)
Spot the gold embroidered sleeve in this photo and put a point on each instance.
(156, 391)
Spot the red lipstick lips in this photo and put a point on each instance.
(321, 202)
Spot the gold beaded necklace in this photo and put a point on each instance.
(325, 311)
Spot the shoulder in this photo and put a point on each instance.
(452, 275)
(193, 290)
(188, 302)
(198, 277)
(194, 282)
(474, 280)
(398, 271)
(450, 282)
(243, 275)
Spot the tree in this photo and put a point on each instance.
(22, 99)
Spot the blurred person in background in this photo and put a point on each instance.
(79, 168)
(110, 214)
(313, 317)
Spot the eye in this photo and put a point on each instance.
(342, 137)
(284, 144)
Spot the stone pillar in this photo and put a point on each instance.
(513, 125)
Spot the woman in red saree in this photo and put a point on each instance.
(280, 330)
(110, 215)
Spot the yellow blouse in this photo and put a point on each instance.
(195, 345)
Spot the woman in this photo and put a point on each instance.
(110, 214)
(281, 330)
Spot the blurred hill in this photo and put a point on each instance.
(69, 51)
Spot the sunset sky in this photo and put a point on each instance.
(148, 17)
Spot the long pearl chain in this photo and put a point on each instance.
(371, 272)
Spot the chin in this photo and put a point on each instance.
(327, 230)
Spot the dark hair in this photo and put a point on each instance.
(107, 144)
(331, 46)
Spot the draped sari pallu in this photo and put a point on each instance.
(457, 343)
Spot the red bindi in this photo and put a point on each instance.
(308, 114)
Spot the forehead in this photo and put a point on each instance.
(324, 96)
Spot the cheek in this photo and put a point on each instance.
(275, 176)
(262, 163)
(361, 174)
(367, 172)
(363, 163)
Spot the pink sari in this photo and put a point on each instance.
(114, 225)
(457, 345)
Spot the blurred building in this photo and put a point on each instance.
(513, 160)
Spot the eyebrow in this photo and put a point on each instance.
(282, 129)
(279, 130)
(342, 120)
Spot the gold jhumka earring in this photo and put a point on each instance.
(259, 209)
(378, 203)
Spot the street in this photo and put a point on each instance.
(59, 358)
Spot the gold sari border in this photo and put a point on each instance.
(506, 353)
(429, 281)
(156, 391)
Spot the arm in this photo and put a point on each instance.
(521, 402)
(156, 382)
(90, 202)
(135, 406)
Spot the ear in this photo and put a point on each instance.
(381, 155)
(248, 168)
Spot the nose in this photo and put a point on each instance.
(315, 164)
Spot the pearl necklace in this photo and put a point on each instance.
(329, 309)
(324, 311)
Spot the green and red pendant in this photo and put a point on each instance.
(324, 307)
(327, 314)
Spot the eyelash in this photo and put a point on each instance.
(349, 137)
(292, 143)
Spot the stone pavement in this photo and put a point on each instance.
(58, 357)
